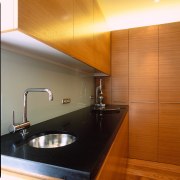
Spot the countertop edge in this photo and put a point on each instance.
(41, 168)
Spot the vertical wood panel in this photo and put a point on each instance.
(51, 23)
(115, 164)
(143, 129)
(169, 133)
(146, 84)
(83, 31)
(169, 62)
(101, 41)
(119, 67)
(143, 64)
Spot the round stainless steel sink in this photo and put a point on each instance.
(52, 140)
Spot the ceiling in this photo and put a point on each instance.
(124, 14)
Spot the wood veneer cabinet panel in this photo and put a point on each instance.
(143, 64)
(51, 23)
(119, 66)
(143, 131)
(101, 41)
(115, 164)
(83, 46)
(169, 62)
(169, 133)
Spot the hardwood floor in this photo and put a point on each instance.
(147, 170)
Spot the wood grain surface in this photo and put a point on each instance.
(115, 164)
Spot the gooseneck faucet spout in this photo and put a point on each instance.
(25, 98)
(25, 123)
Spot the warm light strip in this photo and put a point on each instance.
(144, 18)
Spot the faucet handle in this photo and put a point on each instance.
(16, 127)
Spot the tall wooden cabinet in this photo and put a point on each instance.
(143, 64)
(146, 65)
(169, 93)
(169, 133)
(119, 67)
(143, 92)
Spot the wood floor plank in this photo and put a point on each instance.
(147, 170)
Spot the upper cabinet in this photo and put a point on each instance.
(48, 21)
(101, 41)
(143, 64)
(83, 31)
(169, 63)
(68, 26)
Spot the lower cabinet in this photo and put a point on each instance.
(115, 164)
(169, 133)
(143, 131)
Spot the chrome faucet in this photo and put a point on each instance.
(25, 123)
(99, 95)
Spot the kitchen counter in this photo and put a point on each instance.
(79, 160)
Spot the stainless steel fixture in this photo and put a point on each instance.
(104, 109)
(25, 123)
(52, 140)
(99, 95)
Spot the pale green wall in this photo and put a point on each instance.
(19, 72)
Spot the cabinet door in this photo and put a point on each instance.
(143, 64)
(101, 41)
(169, 62)
(119, 67)
(143, 131)
(47, 21)
(83, 46)
(115, 164)
(169, 133)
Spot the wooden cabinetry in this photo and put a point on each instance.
(119, 66)
(67, 26)
(154, 90)
(169, 63)
(169, 93)
(143, 64)
(83, 31)
(51, 23)
(169, 133)
(143, 131)
(115, 164)
(101, 41)
(143, 92)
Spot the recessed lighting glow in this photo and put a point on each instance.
(156, 1)
(144, 18)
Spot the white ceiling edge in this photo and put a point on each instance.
(21, 43)
(126, 14)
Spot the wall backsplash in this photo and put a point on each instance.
(19, 72)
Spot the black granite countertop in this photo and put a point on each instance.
(79, 160)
